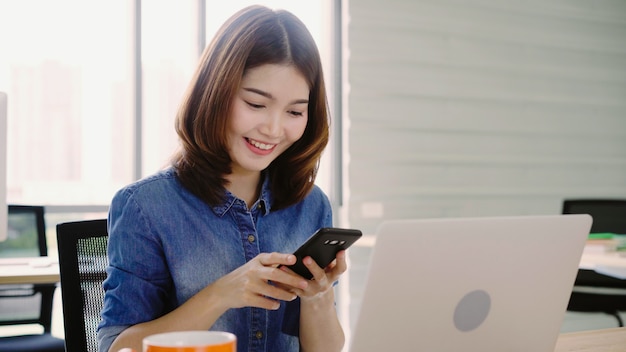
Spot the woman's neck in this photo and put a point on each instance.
(245, 186)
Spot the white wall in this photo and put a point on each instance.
(478, 107)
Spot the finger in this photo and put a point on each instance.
(338, 266)
(275, 259)
(278, 292)
(287, 270)
(263, 302)
(298, 292)
(318, 273)
(260, 293)
(287, 277)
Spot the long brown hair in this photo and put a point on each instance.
(252, 37)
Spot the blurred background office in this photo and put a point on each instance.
(440, 108)
(482, 108)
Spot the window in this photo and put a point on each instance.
(67, 69)
(85, 115)
(89, 112)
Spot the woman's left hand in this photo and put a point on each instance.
(323, 278)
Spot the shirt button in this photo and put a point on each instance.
(259, 335)
(250, 238)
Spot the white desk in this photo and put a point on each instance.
(37, 270)
(610, 264)
(606, 340)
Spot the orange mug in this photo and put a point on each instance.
(191, 341)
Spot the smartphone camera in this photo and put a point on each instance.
(334, 242)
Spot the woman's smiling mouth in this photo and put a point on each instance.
(260, 145)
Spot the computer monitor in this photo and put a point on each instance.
(3, 166)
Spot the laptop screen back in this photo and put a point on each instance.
(474, 284)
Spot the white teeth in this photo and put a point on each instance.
(260, 145)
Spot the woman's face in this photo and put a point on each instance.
(269, 114)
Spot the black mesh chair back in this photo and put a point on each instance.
(595, 292)
(27, 303)
(83, 261)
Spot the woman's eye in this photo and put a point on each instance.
(254, 106)
(295, 113)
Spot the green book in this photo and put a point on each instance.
(601, 236)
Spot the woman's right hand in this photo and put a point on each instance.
(258, 283)
(252, 284)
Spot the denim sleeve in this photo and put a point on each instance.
(138, 280)
(107, 335)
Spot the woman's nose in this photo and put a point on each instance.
(272, 125)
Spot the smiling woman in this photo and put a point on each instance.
(94, 92)
(157, 44)
(236, 200)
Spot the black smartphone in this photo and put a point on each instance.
(323, 246)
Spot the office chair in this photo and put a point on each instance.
(83, 261)
(594, 292)
(27, 303)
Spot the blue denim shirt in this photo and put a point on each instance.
(165, 245)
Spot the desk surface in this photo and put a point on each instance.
(606, 340)
(38, 270)
(611, 264)
(46, 269)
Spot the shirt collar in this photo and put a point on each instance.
(264, 203)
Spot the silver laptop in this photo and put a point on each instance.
(470, 284)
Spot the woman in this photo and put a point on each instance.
(198, 245)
